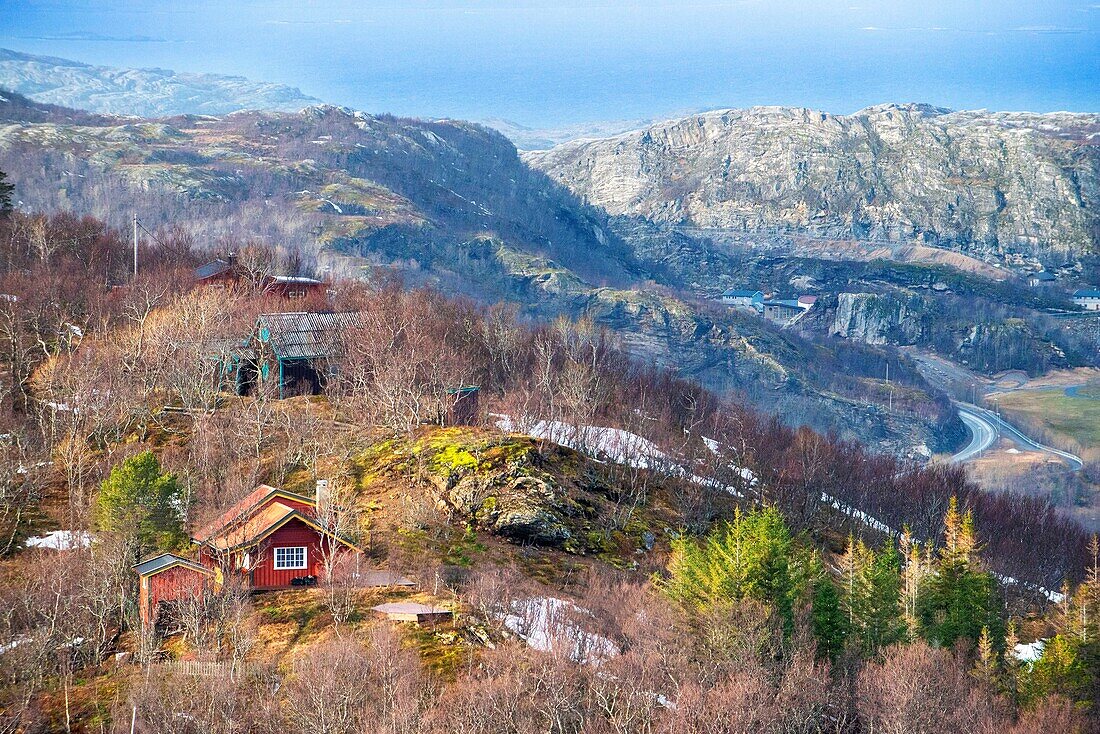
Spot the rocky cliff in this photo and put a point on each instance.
(873, 319)
(995, 184)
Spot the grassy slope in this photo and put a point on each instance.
(1070, 422)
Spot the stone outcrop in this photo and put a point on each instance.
(874, 319)
(993, 184)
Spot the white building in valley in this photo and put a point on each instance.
(1087, 298)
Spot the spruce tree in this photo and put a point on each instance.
(883, 625)
(749, 557)
(872, 596)
(829, 623)
(140, 501)
(960, 600)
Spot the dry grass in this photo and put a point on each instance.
(1070, 423)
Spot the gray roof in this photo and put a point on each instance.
(212, 268)
(735, 293)
(384, 578)
(785, 304)
(1087, 293)
(1044, 275)
(409, 607)
(304, 335)
(164, 560)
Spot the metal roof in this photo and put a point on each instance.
(304, 335)
(1087, 293)
(212, 268)
(295, 279)
(156, 564)
(735, 293)
(784, 303)
(409, 607)
(1043, 275)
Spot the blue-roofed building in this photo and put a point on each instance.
(1087, 298)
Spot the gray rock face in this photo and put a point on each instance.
(990, 183)
(874, 319)
(142, 92)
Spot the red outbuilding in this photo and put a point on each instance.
(168, 578)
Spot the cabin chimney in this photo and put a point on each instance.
(322, 496)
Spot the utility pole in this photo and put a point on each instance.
(135, 243)
(890, 393)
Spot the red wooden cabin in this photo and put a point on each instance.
(226, 272)
(167, 578)
(271, 539)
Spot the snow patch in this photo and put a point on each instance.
(620, 447)
(607, 444)
(1029, 652)
(1056, 597)
(860, 515)
(547, 624)
(61, 540)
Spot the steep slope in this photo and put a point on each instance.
(448, 204)
(141, 92)
(991, 184)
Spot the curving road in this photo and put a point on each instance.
(983, 434)
(986, 427)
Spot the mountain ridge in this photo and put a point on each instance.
(146, 92)
(998, 185)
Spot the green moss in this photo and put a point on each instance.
(488, 506)
(452, 460)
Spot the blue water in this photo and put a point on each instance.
(546, 63)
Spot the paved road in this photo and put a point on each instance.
(986, 427)
(983, 434)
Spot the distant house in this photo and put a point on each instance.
(1042, 278)
(806, 302)
(1087, 298)
(782, 312)
(227, 272)
(301, 350)
(743, 298)
(271, 539)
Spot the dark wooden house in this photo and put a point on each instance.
(294, 353)
(227, 272)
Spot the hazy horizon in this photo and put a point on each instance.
(545, 64)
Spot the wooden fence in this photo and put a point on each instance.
(203, 668)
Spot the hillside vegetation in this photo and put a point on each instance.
(450, 204)
(623, 549)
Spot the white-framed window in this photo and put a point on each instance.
(290, 557)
